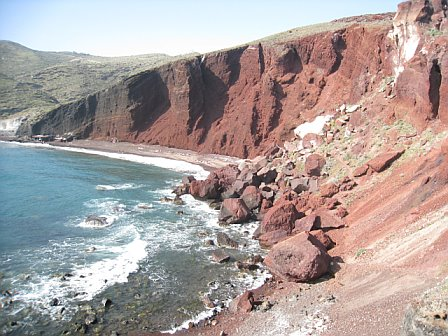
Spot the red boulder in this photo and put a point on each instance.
(383, 161)
(281, 216)
(300, 258)
(252, 197)
(314, 164)
(233, 211)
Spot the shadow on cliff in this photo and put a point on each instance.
(215, 94)
(149, 95)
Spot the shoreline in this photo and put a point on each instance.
(208, 162)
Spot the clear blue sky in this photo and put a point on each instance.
(130, 27)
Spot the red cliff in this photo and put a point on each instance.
(241, 101)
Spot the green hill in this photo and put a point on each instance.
(33, 82)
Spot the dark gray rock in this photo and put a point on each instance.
(220, 256)
(224, 240)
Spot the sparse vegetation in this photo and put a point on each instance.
(433, 32)
(360, 252)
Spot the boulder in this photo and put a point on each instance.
(361, 170)
(268, 193)
(314, 164)
(269, 239)
(329, 189)
(324, 239)
(281, 216)
(243, 303)
(220, 256)
(224, 240)
(327, 221)
(383, 161)
(234, 211)
(239, 186)
(252, 197)
(206, 189)
(305, 224)
(225, 176)
(299, 184)
(259, 162)
(249, 177)
(300, 258)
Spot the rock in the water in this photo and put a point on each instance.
(224, 240)
(207, 189)
(106, 302)
(314, 164)
(54, 302)
(383, 161)
(96, 221)
(281, 216)
(234, 211)
(300, 258)
(220, 256)
(252, 197)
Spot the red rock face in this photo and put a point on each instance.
(236, 102)
(243, 101)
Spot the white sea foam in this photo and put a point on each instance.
(123, 186)
(84, 282)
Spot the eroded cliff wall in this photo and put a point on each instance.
(241, 101)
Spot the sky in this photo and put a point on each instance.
(173, 27)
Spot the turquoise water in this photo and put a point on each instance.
(149, 259)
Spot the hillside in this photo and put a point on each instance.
(34, 82)
(343, 128)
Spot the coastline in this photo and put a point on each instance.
(208, 162)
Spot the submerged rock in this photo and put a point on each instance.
(220, 256)
(223, 239)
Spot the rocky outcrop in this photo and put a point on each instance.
(418, 45)
(300, 258)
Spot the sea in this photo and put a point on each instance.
(146, 268)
